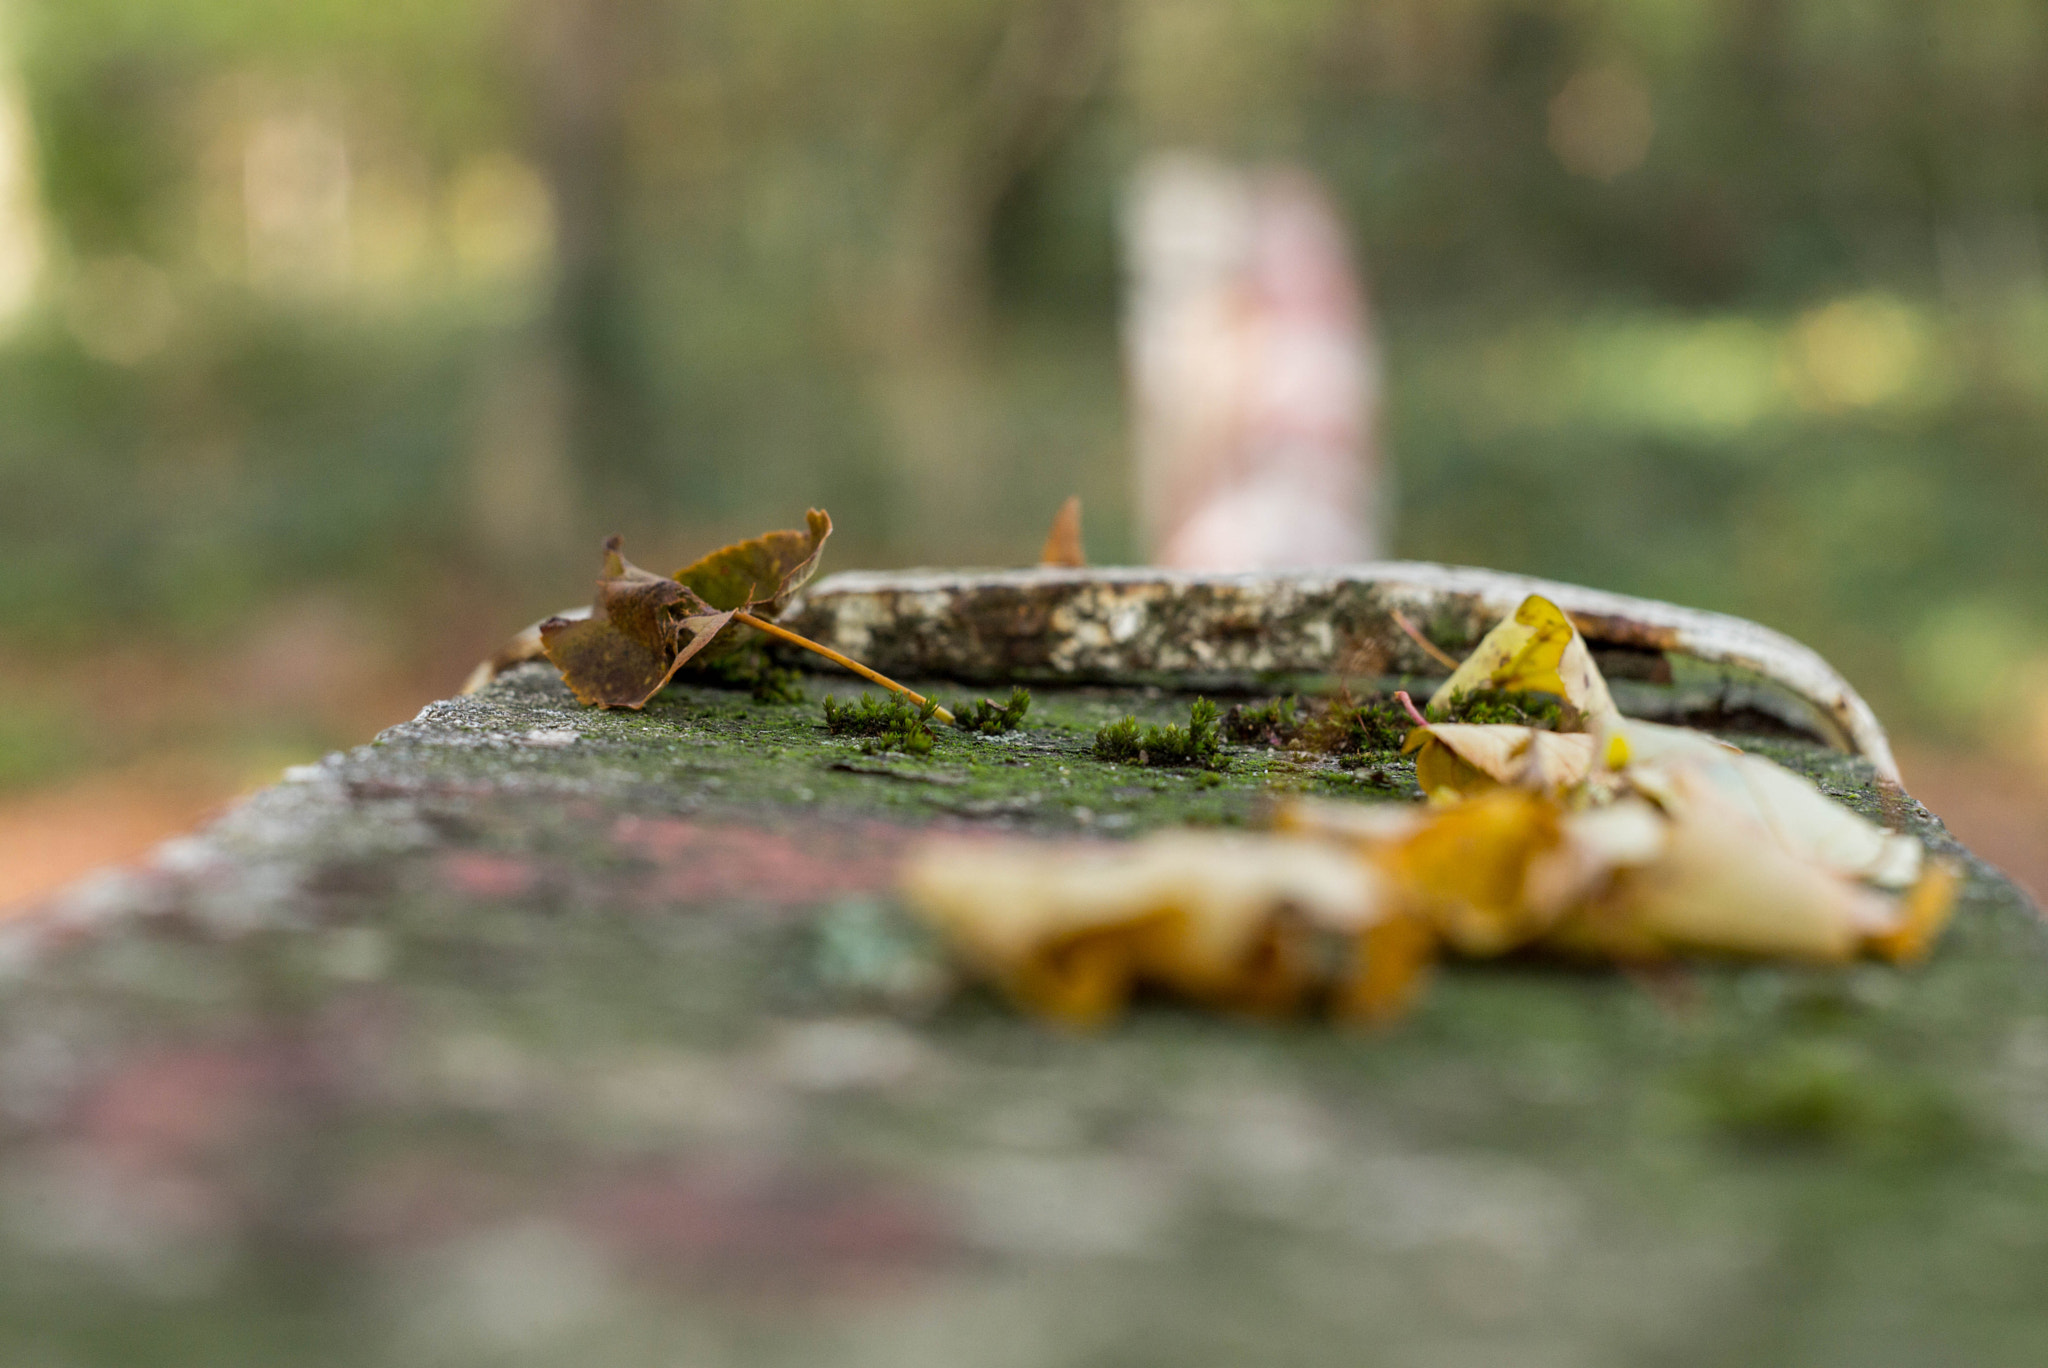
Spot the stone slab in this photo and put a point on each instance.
(535, 1035)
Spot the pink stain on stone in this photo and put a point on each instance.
(478, 874)
(161, 1142)
(174, 1105)
(787, 867)
(769, 1229)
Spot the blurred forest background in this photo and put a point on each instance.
(336, 334)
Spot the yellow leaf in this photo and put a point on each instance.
(1365, 825)
(1535, 650)
(1596, 842)
(1389, 970)
(1465, 871)
(1069, 931)
(1922, 913)
(1234, 922)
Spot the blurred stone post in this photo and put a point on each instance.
(1255, 380)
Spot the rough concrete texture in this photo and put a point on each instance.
(535, 1035)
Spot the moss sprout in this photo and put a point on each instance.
(1374, 725)
(990, 718)
(1342, 725)
(1520, 709)
(889, 724)
(1272, 723)
(1194, 746)
(749, 668)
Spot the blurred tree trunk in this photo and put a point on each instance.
(590, 55)
(1049, 58)
(564, 407)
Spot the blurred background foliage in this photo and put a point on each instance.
(339, 333)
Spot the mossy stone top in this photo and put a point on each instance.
(531, 1034)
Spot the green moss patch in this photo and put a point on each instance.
(1194, 746)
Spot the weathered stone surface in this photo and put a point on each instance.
(537, 1035)
(1114, 625)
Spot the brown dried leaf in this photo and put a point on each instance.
(605, 667)
(761, 574)
(642, 628)
(1063, 542)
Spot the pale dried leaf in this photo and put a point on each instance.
(1677, 767)
(1717, 887)
(1464, 758)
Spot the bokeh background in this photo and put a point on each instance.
(334, 335)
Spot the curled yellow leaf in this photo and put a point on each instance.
(1466, 870)
(1537, 649)
(1071, 931)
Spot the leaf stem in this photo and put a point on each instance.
(1401, 696)
(763, 625)
(1429, 648)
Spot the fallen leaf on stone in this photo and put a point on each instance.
(1070, 930)
(643, 627)
(763, 573)
(1536, 650)
(1923, 914)
(1063, 542)
(1679, 768)
(1360, 824)
(1720, 885)
(1670, 765)
(1466, 871)
(1462, 758)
